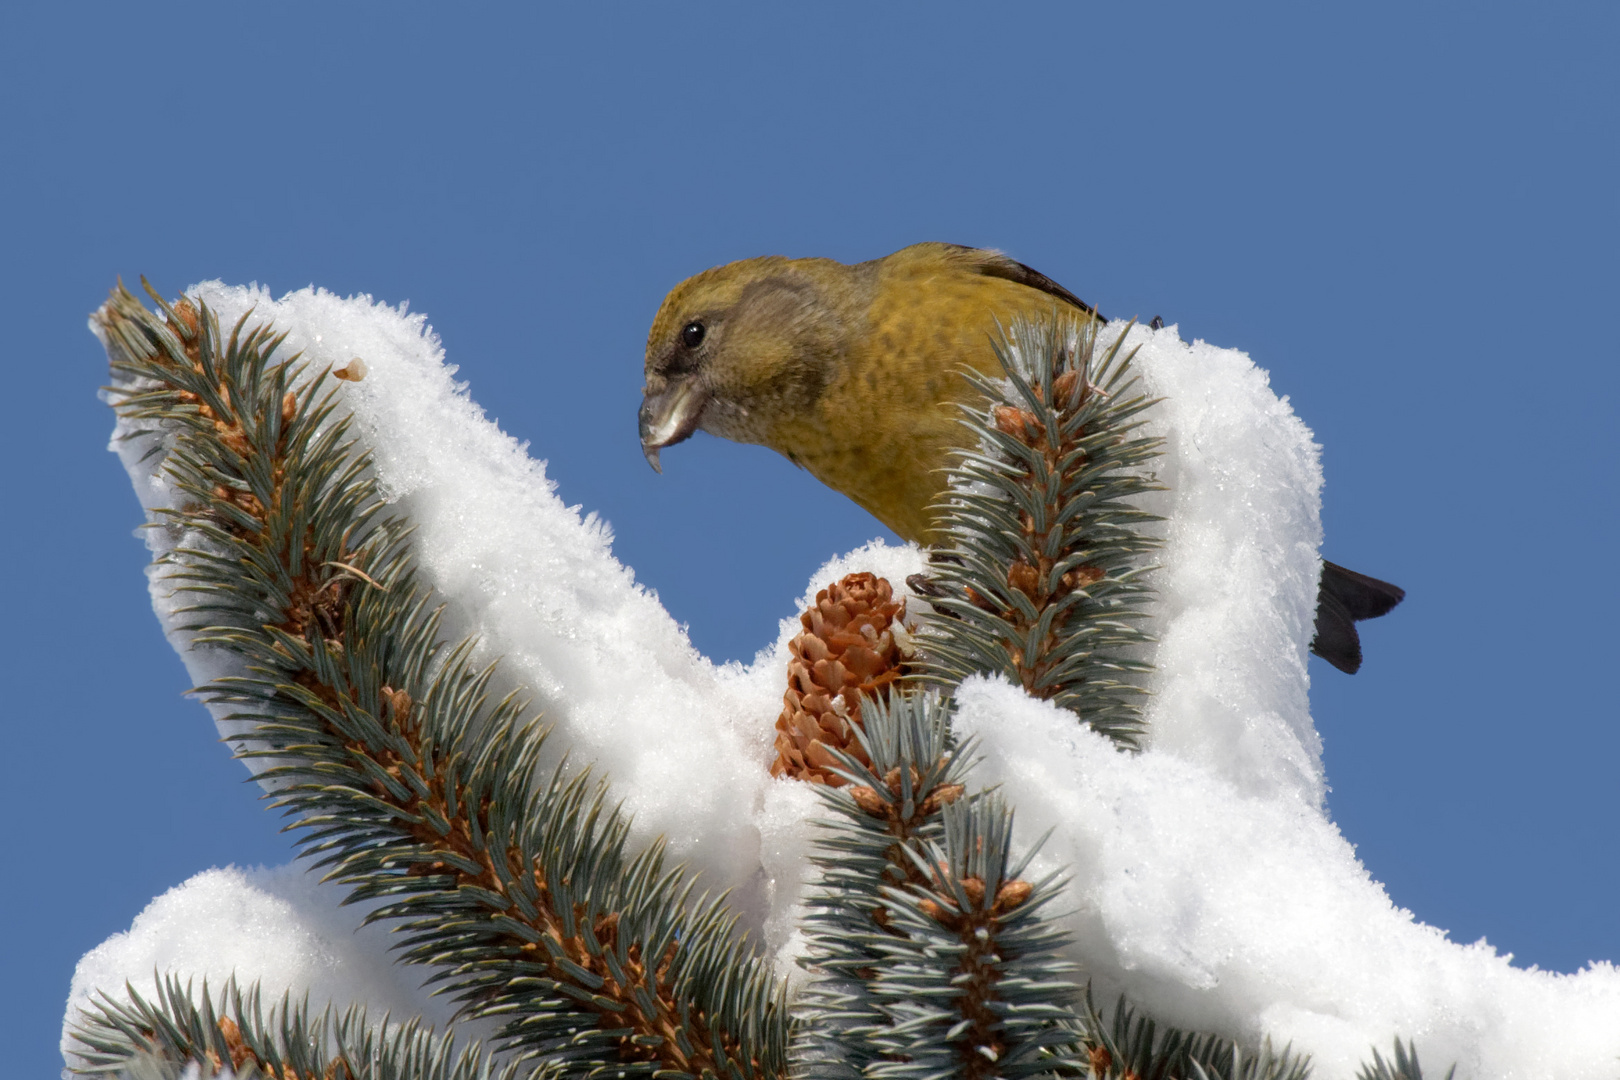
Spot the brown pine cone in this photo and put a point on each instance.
(848, 648)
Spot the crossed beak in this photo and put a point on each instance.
(670, 416)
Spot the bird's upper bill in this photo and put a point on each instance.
(670, 415)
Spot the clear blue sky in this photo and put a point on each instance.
(1406, 212)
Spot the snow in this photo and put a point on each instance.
(1208, 882)
(1224, 908)
(277, 926)
(1239, 570)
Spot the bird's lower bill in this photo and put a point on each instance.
(670, 416)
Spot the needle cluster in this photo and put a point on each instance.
(933, 953)
(1043, 573)
(159, 1039)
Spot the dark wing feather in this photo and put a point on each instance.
(995, 264)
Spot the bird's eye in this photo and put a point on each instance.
(692, 334)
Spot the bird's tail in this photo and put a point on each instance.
(1343, 599)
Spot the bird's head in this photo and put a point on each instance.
(736, 349)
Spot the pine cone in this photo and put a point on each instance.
(848, 648)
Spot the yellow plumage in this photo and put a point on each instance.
(852, 371)
(855, 373)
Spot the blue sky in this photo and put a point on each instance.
(1406, 213)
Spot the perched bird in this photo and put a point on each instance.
(854, 373)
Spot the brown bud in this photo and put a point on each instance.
(1100, 1060)
(979, 601)
(400, 702)
(231, 436)
(1063, 388)
(974, 888)
(891, 780)
(186, 312)
(354, 372)
(289, 407)
(1082, 577)
(869, 801)
(1025, 578)
(235, 1045)
(1012, 894)
(942, 796)
(1019, 423)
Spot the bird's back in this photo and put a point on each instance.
(885, 428)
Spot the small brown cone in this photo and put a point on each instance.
(847, 649)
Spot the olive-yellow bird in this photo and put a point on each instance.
(854, 372)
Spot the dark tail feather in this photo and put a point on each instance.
(1363, 597)
(1343, 599)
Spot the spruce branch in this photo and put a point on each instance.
(382, 743)
(1403, 1066)
(1133, 1046)
(1041, 576)
(934, 958)
(160, 1038)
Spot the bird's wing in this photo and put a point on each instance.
(994, 264)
